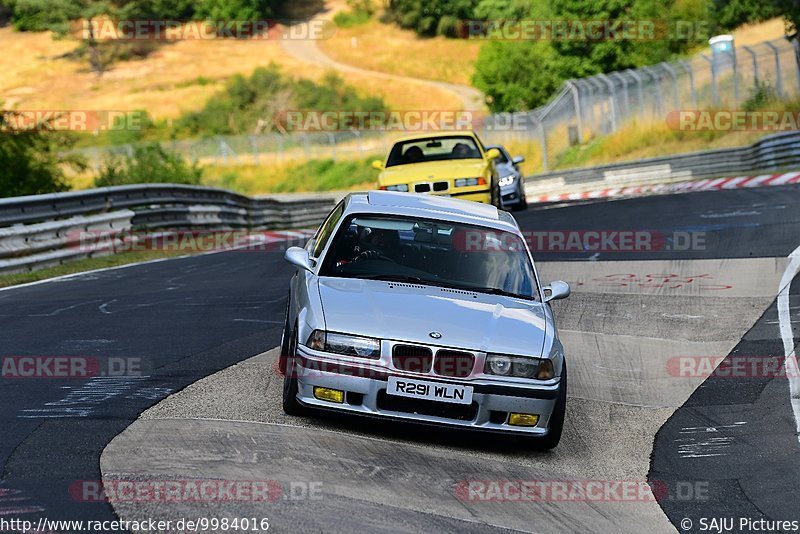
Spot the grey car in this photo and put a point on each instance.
(426, 309)
(511, 181)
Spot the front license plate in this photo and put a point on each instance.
(435, 391)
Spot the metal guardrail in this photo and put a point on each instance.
(40, 230)
(772, 153)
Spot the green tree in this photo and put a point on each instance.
(30, 161)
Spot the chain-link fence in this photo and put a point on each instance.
(602, 104)
(582, 109)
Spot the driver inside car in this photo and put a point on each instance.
(376, 243)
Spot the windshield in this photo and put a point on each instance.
(433, 149)
(432, 252)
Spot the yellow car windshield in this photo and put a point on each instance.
(433, 149)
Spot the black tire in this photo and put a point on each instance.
(523, 204)
(290, 404)
(284, 354)
(550, 441)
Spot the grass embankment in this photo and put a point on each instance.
(178, 77)
(374, 45)
(87, 264)
(312, 175)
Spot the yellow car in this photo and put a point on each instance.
(454, 164)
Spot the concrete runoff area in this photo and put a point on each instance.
(619, 332)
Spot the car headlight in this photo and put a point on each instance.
(467, 182)
(506, 180)
(362, 347)
(518, 366)
(403, 188)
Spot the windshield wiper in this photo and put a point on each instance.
(491, 291)
(394, 278)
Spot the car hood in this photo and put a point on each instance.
(434, 170)
(504, 169)
(468, 320)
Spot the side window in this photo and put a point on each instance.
(325, 231)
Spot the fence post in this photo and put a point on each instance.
(639, 86)
(254, 144)
(713, 78)
(657, 83)
(359, 144)
(332, 140)
(588, 106)
(674, 77)
(576, 102)
(796, 45)
(612, 100)
(543, 141)
(735, 75)
(688, 68)
(625, 97)
(778, 76)
(755, 63)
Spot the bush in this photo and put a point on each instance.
(760, 95)
(251, 105)
(517, 76)
(149, 163)
(30, 163)
(360, 12)
(431, 17)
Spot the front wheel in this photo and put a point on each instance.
(290, 404)
(551, 440)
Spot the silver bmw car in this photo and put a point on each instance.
(426, 309)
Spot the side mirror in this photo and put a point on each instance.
(299, 258)
(492, 153)
(377, 164)
(556, 290)
(516, 160)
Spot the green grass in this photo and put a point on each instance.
(293, 177)
(84, 265)
(327, 175)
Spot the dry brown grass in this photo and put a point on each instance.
(387, 48)
(751, 34)
(165, 83)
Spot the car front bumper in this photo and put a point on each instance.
(365, 394)
(511, 195)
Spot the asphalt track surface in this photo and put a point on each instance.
(190, 318)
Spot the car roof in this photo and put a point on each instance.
(432, 135)
(431, 206)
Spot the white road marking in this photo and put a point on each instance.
(784, 318)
